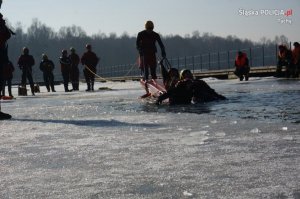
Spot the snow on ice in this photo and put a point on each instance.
(110, 144)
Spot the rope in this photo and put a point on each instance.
(88, 68)
(94, 73)
(105, 78)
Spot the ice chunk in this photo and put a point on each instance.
(233, 122)
(214, 121)
(255, 130)
(288, 138)
(185, 193)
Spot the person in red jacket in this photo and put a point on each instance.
(25, 63)
(284, 60)
(7, 76)
(89, 60)
(242, 68)
(75, 59)
(146, 46)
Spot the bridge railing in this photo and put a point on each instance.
(258, 57)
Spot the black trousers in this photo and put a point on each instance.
(2, 86)
(66, 78)
(27, 74)
(49, 81)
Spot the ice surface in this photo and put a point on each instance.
(110, 144)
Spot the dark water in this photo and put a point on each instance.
(266, 100)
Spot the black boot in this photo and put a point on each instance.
(4, 116)
(92, 86)
(246, 77)
(67, 89)
(32, 90)
(9, 92)
(52, 88)
(88, 87)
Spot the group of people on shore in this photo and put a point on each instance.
(290, 59)
(69, 69)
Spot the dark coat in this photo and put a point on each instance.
(7, 71)
(26, 62)
(65, 63)
(90, 60)
(47, 66)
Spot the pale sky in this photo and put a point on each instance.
(219, 17)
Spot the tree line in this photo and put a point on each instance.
(113, 49)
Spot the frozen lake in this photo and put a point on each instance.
(110, 144)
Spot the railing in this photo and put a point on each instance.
(258, 56)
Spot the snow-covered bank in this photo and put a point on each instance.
(110, 144)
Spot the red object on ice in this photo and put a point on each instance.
(155, 87)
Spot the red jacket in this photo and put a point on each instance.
(296, 55)
(241, 61)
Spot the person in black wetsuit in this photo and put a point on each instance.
(187, 89)
(179, 91)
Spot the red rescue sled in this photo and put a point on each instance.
(155, 87)
(6, 97)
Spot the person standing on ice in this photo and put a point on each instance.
(242, 68)
(65, 64)
(25, 63)
(47, 67)
(75, 59)
(146, 46)
(284, 59)
(296, 59)
(7, 76)
(89, 60)
(5, 34)
(6, 67)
